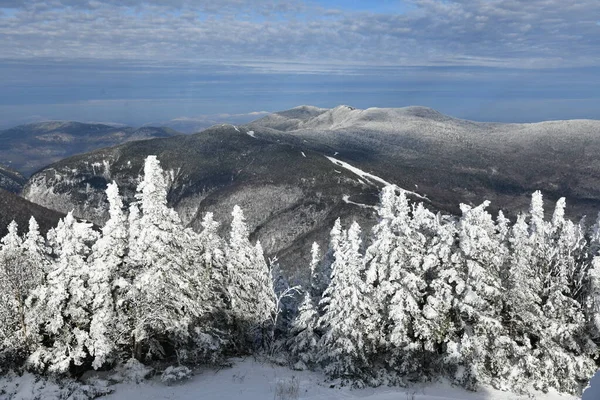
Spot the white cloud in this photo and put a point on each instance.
(297, 37)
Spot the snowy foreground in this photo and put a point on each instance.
(252, 380)
(249, 379)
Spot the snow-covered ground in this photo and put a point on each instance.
(252, 380)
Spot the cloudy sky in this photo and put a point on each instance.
(143, 61)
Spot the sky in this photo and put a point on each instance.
(149, 61)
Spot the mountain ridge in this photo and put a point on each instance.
(279, 169)
(30, 147)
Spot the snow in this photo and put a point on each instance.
(251, 133)
(369, 177)
(347, 200)
(236, 128)
(249, 379)
(303, 155)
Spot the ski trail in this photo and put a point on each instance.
(370, 177)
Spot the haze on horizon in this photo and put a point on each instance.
(145, 61)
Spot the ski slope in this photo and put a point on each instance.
(369, 177)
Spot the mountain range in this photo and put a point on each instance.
(27, 148)
(294, 172)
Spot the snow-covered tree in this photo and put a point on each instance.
(106, 330)
(445, 285)
(317, 277)
(483, 256)
(349, 322)
(166, 297)
(303, 342)
(65, 301)
(249, 282)
(565, 347)
(395, 271)
(18, 276)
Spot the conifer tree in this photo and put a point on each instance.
(65, 300)
(108, 257)
(166, 299)
(250, 287)
(480, 305)
(303, 342)
(349, 322)
(17, 278)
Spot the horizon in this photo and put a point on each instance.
(208, 121)
(152, 61)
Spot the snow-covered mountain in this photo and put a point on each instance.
(452, 160)
(277, 168)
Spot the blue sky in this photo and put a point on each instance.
(136, 61)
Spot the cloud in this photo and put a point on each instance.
(303, 37)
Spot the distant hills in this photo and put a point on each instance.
(27, 148)
(296, 171)
(11, 180)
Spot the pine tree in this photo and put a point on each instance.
(36, 253)
(565, 348)
(395, 271)
(349, 322)
(65, 300)
(303, 342)
(166, 298)
(249, 284)
(481, 303)
(304, 337)
(317, 278)
(211, 252)
(18, 276)
(445, 286)
(109, 253)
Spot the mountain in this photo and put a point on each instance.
(200, 123)
(296, 171)
(13, 207)
(451, 160)
(30, 147)
(11, 180)
(290, 195)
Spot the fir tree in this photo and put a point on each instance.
(166, 298)
(250, 287)
(109, 253)
(349, 322)
(65, 300)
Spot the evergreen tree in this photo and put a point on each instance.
(249, 283)
(480, 305)
(166, 298)
(65, 300)
(18, 276)
(109, 253)
(303, 342)
(349, 322)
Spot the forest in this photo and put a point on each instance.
(474, 298)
